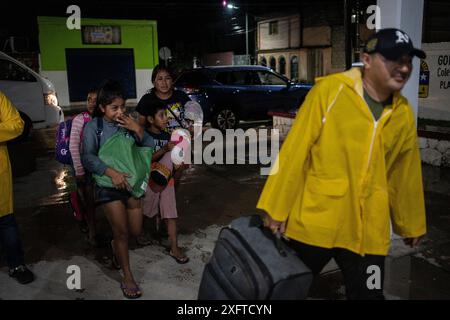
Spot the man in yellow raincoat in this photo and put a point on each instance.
(11, 126)
(350, 166)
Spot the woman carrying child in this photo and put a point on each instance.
(123, 211)
(162, 112)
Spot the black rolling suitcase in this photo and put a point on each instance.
(250, 263)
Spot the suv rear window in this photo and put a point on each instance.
(192, 78)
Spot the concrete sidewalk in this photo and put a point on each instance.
(158, 275)
(208, 198)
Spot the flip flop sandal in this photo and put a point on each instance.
(178, 259)
(144, 240)
(83, 226)
(130, 293)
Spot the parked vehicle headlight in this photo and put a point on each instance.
(50, 99)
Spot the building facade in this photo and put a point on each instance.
(76, 60)
(302, 53)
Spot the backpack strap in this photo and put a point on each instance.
(175, 116)
(86, 117)
(99, 130)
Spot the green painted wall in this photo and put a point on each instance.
(55, 37)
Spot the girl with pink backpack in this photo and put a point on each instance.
(82, 200)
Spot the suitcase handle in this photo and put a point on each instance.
(257, 222)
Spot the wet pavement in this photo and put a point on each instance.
(208, 197)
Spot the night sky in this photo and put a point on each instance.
(183, 21)
(188, 28)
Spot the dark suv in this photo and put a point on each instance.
(231, 93)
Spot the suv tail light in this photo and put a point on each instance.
(191, 90)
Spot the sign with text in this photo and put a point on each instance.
(434, 82)
(101, 34)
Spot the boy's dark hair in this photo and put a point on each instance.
(110, 90)
(153, 110)
(160, 68)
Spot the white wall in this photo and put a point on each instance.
(143, 82)
(406, 15)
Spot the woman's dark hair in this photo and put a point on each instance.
(160, 68)
(110, 90)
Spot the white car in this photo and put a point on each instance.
(33, 95)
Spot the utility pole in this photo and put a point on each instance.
(357, 37)
(231, 6)
(247, 58)
(347, 32)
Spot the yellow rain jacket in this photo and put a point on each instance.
(343, 176)
(11, 126)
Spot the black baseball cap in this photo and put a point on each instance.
(392, 43)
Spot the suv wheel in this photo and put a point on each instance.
(225, 119)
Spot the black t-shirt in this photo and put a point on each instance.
(161, 139)
(175, 103)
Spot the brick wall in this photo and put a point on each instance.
(317, 36)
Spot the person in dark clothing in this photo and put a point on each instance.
(163, 93)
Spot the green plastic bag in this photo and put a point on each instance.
(122, 154)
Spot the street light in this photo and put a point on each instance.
(231, 7)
